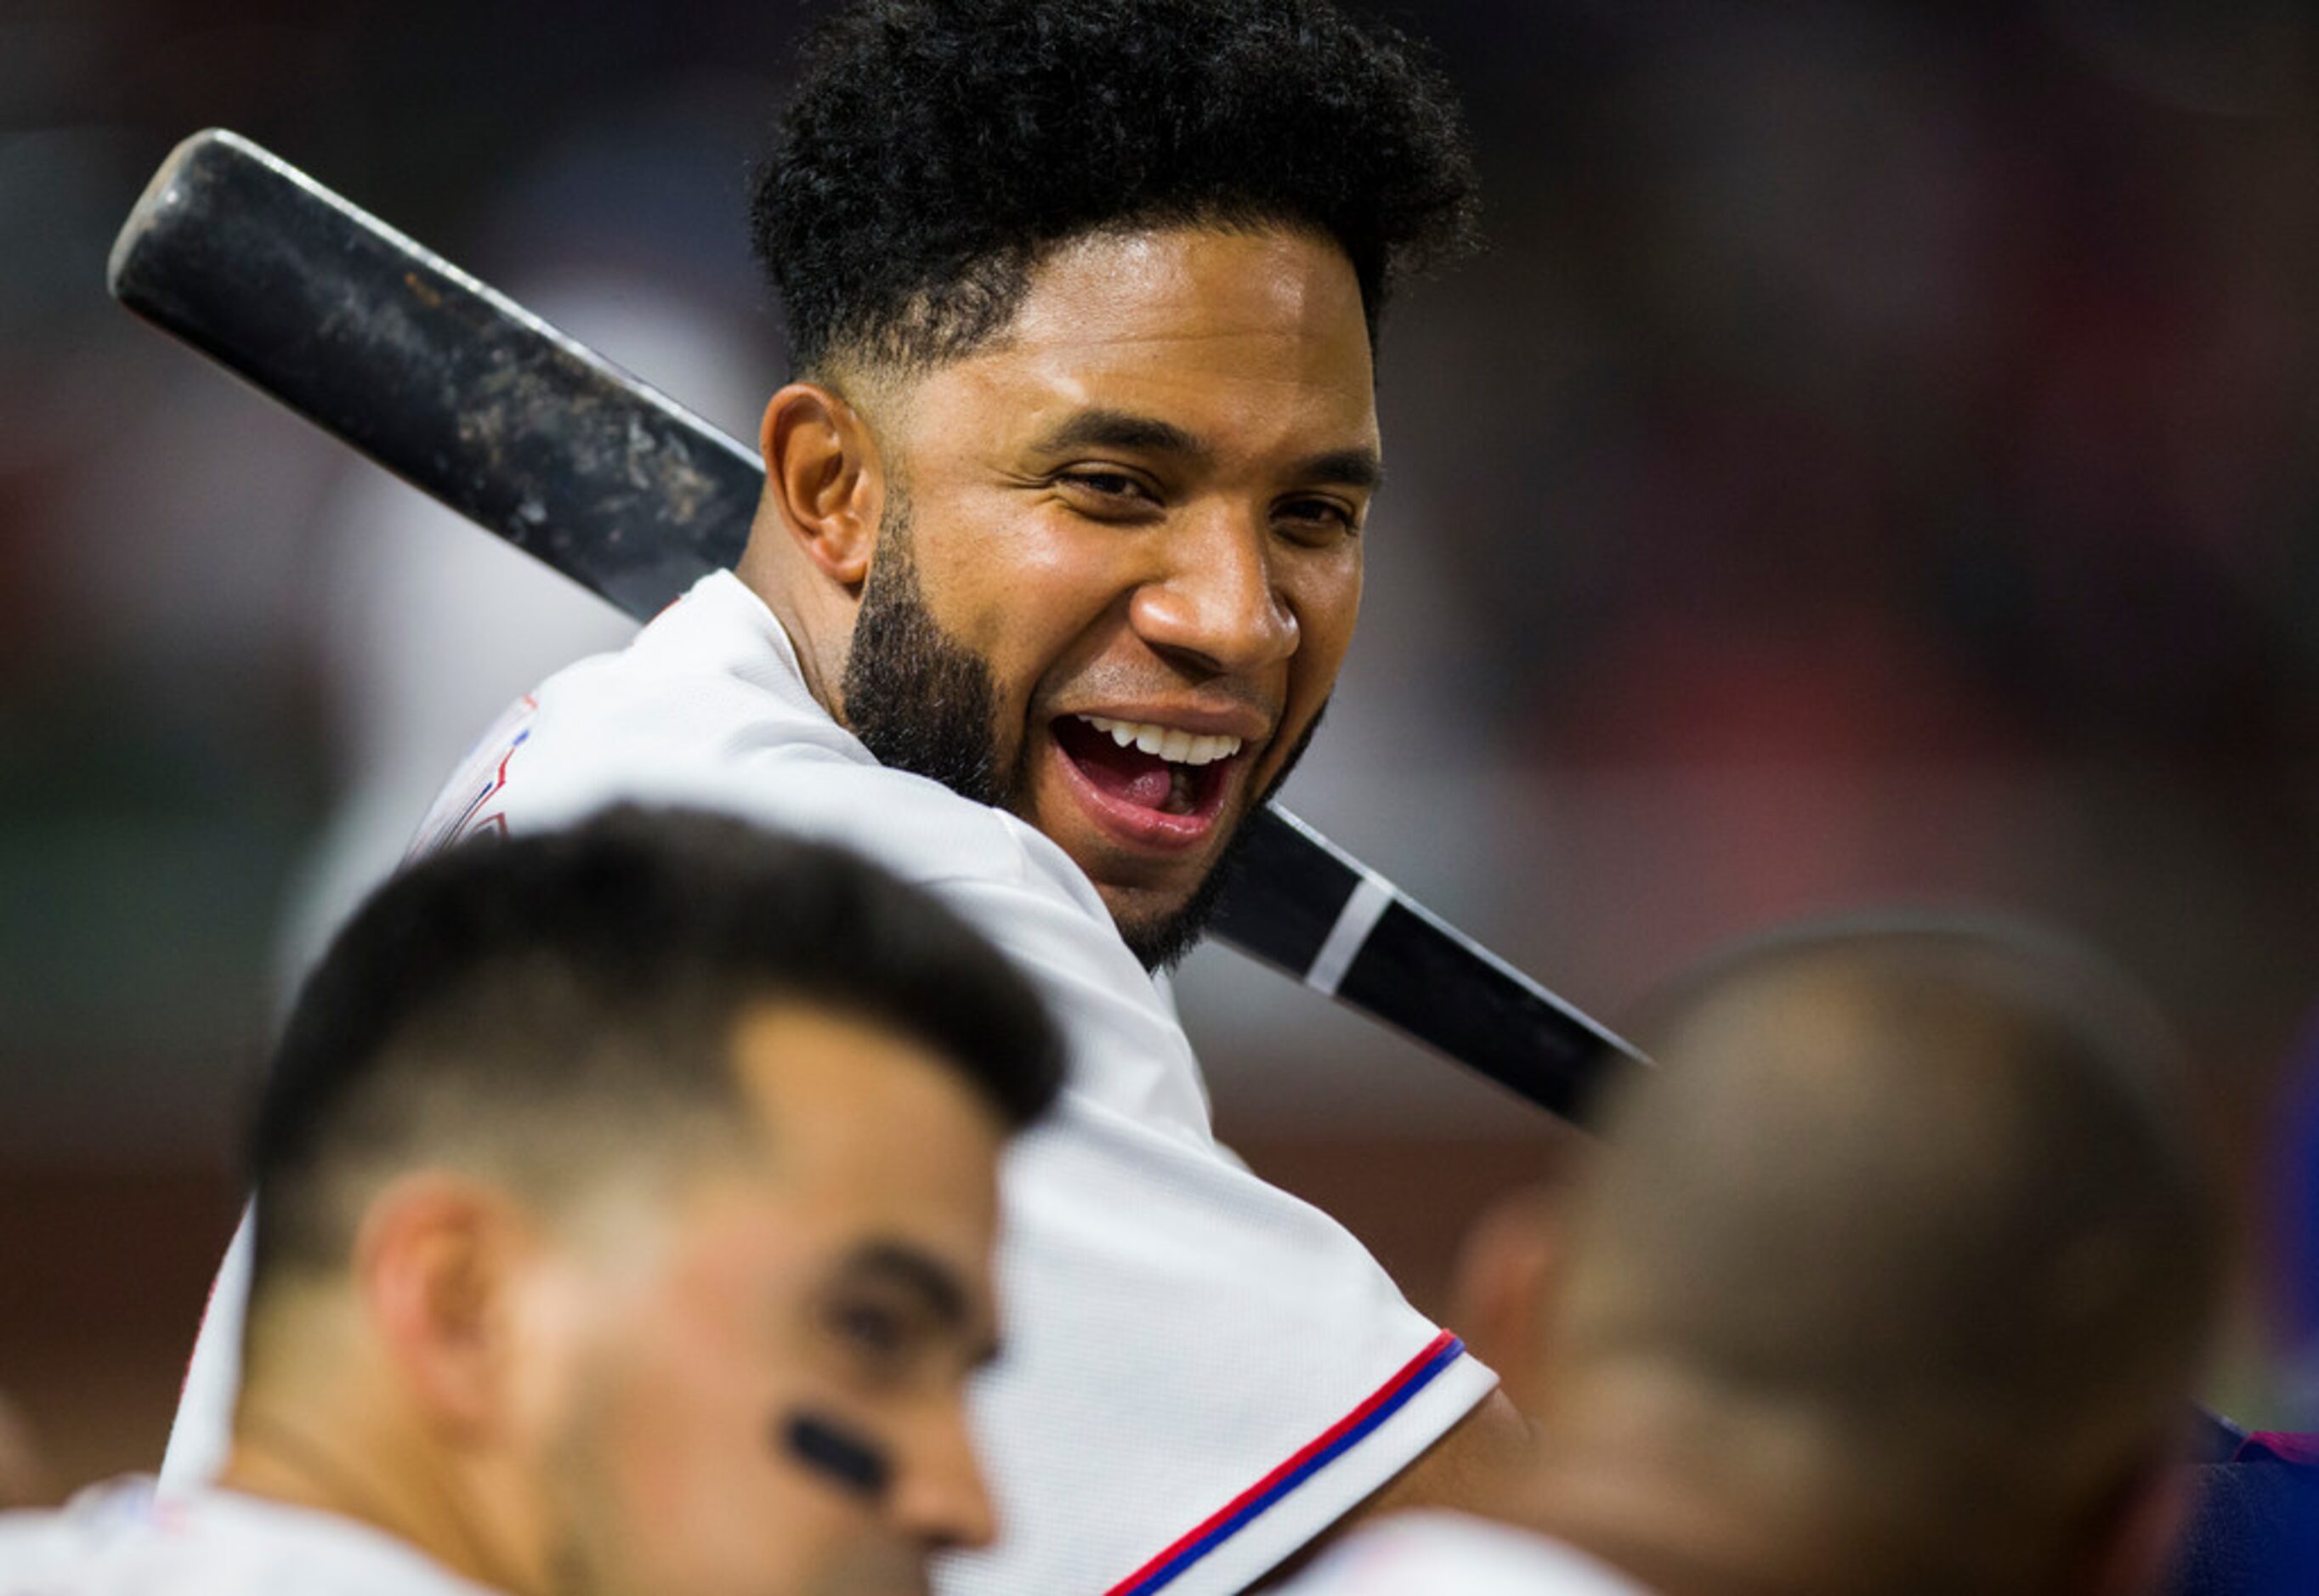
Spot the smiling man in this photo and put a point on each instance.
(625, 1213)
(1101, 570)
(1059, 556)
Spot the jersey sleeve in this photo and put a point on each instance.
(1203, 1372)
(1434, 1551)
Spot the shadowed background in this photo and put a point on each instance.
(1875, 462)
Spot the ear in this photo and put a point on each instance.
(1502, 1291)
(438, 1265)
(825, 481)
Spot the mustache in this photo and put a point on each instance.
(1130, 685)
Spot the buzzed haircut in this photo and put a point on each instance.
(936, 149)
(562, 1006)
(1931, 1186)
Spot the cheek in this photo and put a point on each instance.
(702, 1502)
(1328, 605)
(1023, 590)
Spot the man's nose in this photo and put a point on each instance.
(939, 1499)
(1217, 602)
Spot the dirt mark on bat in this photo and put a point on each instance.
(540, 422)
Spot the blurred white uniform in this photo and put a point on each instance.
(1454, 1554)
(117, 1541)
(1203, 1372)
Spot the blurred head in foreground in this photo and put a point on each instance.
(626, 1204)
(1895, 1277)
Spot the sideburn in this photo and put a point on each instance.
(920, 700)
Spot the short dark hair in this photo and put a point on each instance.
(936, 149)
(519, 992)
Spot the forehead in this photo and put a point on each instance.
(1249, 336)
(861, 1149)
(854, 1137)
(853, 1115)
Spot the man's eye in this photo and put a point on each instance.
(867, 1328)
(1109, 484)
(1317, 518)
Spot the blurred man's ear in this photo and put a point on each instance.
(1501, 1297)
(437, 1266)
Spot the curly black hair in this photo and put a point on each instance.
(936, 149)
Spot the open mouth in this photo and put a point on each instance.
(1162, 783)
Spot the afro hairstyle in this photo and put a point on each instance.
(936, 149)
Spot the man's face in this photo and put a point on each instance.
(1127, 563)
(754, 1387)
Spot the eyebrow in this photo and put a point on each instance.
(1357, 467)
(899, 1264)
(1121, 429)
(1343, 468)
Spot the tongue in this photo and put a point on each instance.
(1126, 773)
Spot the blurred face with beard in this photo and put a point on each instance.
(1116, 554)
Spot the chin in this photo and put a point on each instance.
(1160, 927)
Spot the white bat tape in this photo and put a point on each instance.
(1371, 896)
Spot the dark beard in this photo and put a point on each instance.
(919, 699)
(922, 701)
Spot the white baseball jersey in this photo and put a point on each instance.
(1453, 1555)
(119, 1540)
(1202, 1371)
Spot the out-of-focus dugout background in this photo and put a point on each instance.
(1878, 460)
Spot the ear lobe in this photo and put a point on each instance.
(824, 479)
(436, 1264)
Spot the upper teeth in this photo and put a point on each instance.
(1176, 746)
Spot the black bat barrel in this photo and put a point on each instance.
(1300, 904)
(447, 383)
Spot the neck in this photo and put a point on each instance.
(302, 1455)
(818, 617)
(1688, 1499)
